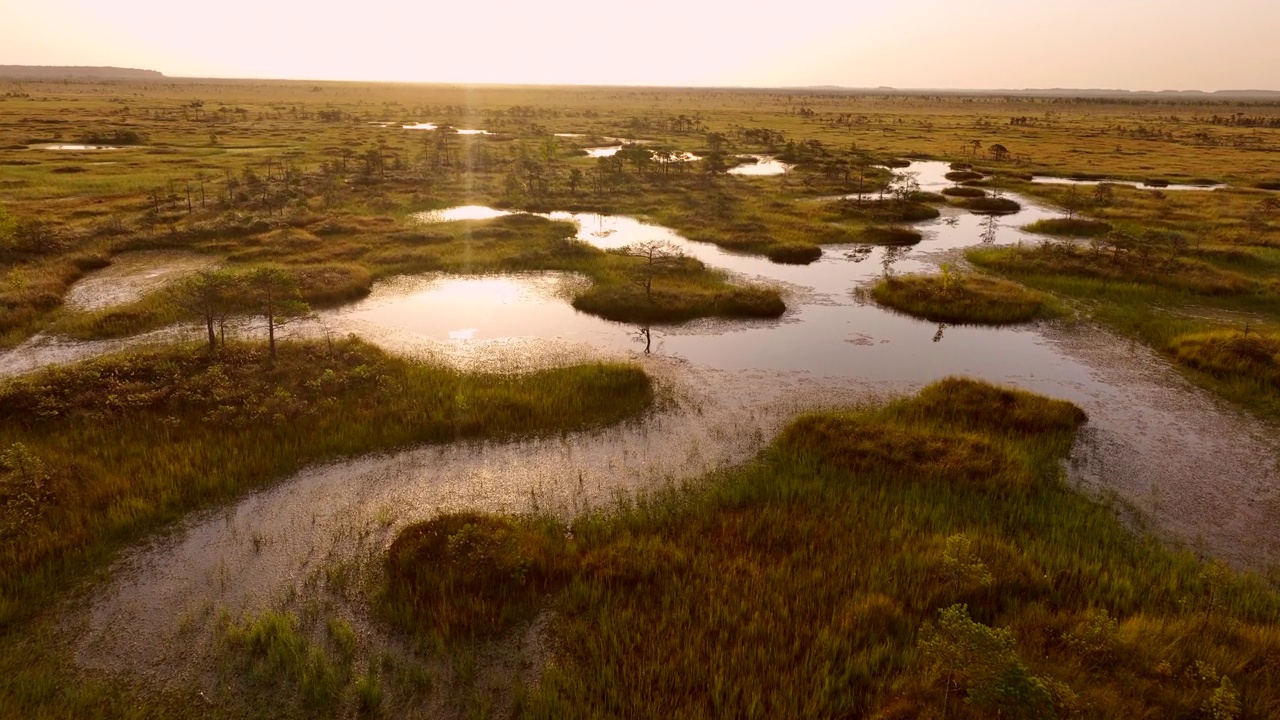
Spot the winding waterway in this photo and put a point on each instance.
(1197, 472)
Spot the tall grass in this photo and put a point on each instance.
(804, 584)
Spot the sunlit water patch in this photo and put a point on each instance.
(1150, 185)
(434, 126)
(77, 146)
(764, 165)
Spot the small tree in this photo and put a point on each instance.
(211, 296)
(656, 256)
(982, 662)
(275, 296)
(1072, 202)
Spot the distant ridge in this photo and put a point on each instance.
(62, 72)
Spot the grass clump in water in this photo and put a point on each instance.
(972, 299)
(890, 235)
(990, 205)
(474, 575)
(1070, 227)
(794, 253)
(965, 192)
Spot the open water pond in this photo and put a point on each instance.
(1197, 471)
(764, 165)
(77, 147)
(433, 126)
(1150, 185)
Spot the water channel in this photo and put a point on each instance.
(1197, 472)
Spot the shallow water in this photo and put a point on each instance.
(433, 126)
(1197, 471)
(1050, 180)
(77, 146)
(131, 276)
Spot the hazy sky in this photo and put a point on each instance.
(1133, 44)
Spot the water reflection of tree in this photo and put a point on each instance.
(892, 254)
(937, 337)
(644, 334)
(859, 253)
(990, 229)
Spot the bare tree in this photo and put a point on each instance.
(656, 256)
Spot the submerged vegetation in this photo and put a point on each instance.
(996, 590)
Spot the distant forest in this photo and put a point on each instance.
(57, 72)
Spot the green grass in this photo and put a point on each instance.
(867, 564)
(966, 299)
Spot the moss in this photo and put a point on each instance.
(962, 175)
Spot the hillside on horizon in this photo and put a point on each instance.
(58, 72)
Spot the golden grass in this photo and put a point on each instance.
(971, 299)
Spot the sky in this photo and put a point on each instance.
(1005, 44)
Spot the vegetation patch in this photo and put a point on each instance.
(107, 450)
(890, 235)
(886, 211)
(794, 253)
(962, 175)
(1153, 260)
(996, 591)
(1235, 356)
(990, 205)
(1070, 227)
(969, 299)
(470, 575)
(964, 192)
